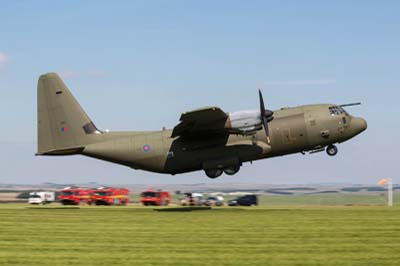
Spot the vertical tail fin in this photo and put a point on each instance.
(63, 126)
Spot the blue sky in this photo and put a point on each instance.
(136, 65)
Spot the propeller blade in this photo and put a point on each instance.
(262, 107)
(266, 128)
(265, 115)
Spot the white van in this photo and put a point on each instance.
(41, 197)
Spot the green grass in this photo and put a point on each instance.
(225, 236)
(330, 199)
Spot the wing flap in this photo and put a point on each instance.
(201, 122)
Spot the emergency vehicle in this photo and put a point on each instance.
(158, 198)
(75, 196)
(110, 196)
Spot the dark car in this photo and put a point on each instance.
(246, 200)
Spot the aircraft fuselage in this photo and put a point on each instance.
(205, 139)
(293, 130)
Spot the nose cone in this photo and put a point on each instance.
(358, 125)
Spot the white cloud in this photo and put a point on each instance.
(76, 74)
(69, 74)
(311, 82)
(3, 60)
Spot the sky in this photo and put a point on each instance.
(136, 65)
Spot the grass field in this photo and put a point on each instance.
(338, 199)
(226, 236)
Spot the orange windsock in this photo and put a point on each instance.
(382, 181)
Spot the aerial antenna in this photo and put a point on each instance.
(349, 104)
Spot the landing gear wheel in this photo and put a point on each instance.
(213, 173)
(232, 170)
(331, 150)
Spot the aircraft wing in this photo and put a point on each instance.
(201, 122)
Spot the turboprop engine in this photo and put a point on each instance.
(248, 122)
(244, 122)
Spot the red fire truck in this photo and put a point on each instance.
(158, 198)
(75, 196)
(110, 196)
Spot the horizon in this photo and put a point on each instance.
(196, 184)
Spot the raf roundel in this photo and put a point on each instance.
(146, 148)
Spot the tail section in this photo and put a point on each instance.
(63, 126)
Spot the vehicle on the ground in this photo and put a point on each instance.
(192, 199)
(207, 139)
(245, 200)
(75, 196)
(155, 198)
(214, 201)
(110, 196)
(41, 197)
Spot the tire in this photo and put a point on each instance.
(331, 150)
(232, 170)
(213, 173)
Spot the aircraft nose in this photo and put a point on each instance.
(358, 124)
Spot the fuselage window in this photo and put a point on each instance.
(333, 110)
(337, 110)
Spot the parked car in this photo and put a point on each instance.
(192, 199)
(246, 200)
(214, 201)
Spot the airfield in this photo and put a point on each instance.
(284, 230)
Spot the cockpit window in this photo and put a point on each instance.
(337, 110)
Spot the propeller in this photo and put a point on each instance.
(266, 116)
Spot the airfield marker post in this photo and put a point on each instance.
(390, 192)
(389, 183)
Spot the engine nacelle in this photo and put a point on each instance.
(244, 122)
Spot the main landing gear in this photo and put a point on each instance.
(331, 150)
(232, 170)
(214, 173)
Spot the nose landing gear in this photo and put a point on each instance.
(331, 150)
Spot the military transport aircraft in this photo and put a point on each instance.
(206, 139)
